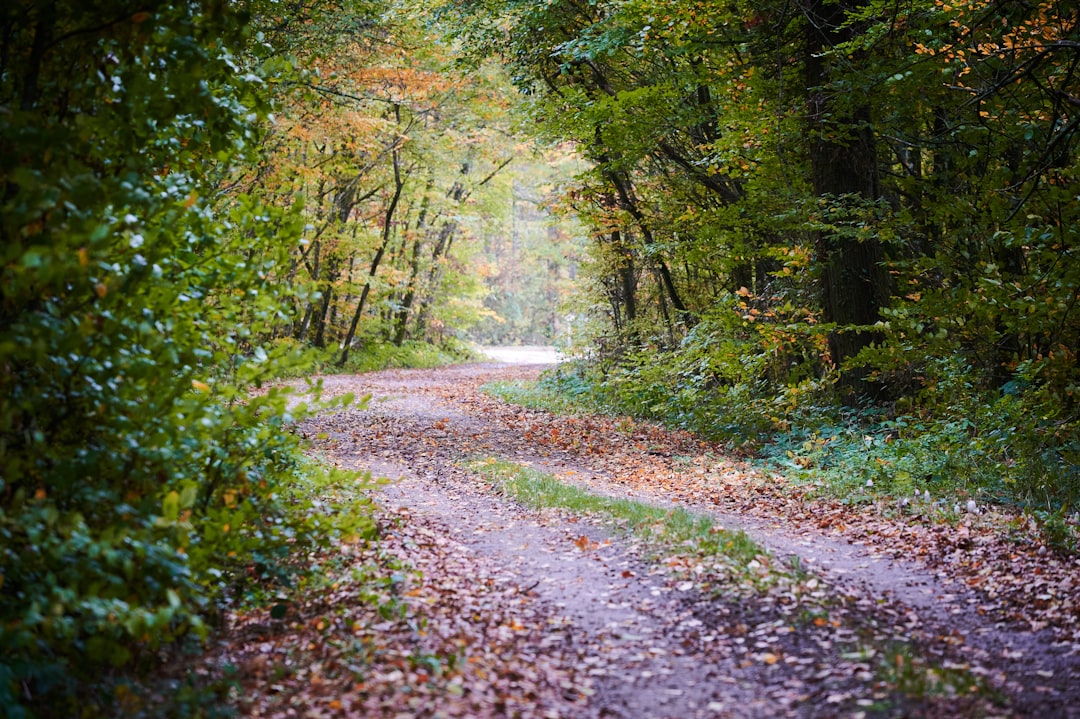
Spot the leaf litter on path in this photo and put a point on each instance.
(691, 649)
(415, 625)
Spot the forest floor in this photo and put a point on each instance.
(472, 605)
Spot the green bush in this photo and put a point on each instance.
(954, 440)
(372, 355)
(139, 479)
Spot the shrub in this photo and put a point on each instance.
(139, 480)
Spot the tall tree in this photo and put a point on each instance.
(844, 167)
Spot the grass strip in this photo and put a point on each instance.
(527, 394)
(897, 674)
(665, 528)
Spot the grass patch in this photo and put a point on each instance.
(528, 394)
(411, 354)
(897, 675)
(910, 678)
(664, 528)
(566, 390)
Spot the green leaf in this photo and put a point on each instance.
(170, 507)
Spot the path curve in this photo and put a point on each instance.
(421, 424)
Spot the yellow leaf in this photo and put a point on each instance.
(101, 289)
(201, 386)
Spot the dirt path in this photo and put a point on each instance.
(626, 638)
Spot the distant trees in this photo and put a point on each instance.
(528, 262)
(397, 157)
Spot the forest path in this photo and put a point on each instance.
(597, 629)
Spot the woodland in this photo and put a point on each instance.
(836, 238)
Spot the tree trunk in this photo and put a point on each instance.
(843, 161)
(629, 203)
(309, 313)
(434, 278)
(320, 324)
(627, 282)
(387, 235)
(401, 319)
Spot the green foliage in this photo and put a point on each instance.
(819, 223)
(967, 447)
(553, 393)
(141, 481)
(375, 355)
(412, 353)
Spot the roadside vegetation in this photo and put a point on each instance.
(858, 457)
(376, 356)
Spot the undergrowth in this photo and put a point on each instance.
(257, 562)
(962, 450)
(372, 356)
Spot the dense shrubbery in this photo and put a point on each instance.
(140, 483)
(958, 444)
